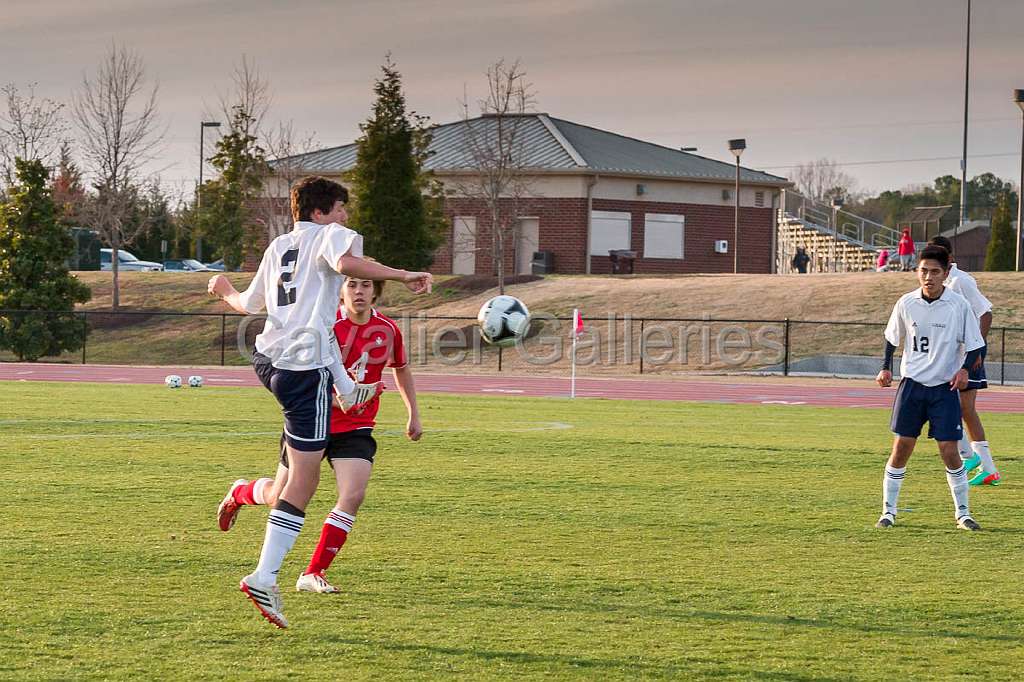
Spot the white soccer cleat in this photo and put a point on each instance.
(267, 599)
(967, 523)
(360, 395)
(315, 582)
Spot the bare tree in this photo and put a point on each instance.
(497, 162)
(31, 128)
(822, 180)
(288, 151)
(117, 120)
(251, 92)
(244, 107)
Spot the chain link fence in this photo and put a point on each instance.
(615, 345)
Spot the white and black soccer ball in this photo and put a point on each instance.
(503, 320)
(172, 381)
(195, 381)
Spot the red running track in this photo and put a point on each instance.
(781, 391)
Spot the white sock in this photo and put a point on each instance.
(259, 490)
(964, 447)
(282, 529)
(957, 479)
(980, 448)
(340, 519)
(891, 483)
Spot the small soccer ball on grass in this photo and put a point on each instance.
(195, 381)
(503, 320)
(172, 381)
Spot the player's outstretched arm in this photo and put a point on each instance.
(353, 266)
(221, 287)
(407, 389)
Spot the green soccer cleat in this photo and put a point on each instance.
(972, 463)
(985, 478)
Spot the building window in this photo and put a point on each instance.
(663, 235)
(759, 199)
(609, 230)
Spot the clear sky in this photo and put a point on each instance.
(855, 81)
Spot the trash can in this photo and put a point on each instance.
(543, 263)
(622, 261)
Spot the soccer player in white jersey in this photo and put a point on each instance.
(369, 341)
(973, 446)
(936, 326)
(297, 357)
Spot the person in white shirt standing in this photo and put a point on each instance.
(297, 357)
(937, 328)
(973, 446)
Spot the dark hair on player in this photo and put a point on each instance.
(935, 252)
(939, 240)
(314, 192)
(378, 284)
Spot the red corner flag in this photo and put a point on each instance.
(577, 322)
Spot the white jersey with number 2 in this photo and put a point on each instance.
(936, 336)
(299, 284)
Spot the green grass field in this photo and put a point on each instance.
(521, 539)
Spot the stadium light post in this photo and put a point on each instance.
(203, 125)
(1018, 97)
(963, 157)
(736, 147)
(837, 203)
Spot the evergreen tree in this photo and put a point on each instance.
(225, 218)
(1000, 255)
(68, 191)
(33, 272)
(162, 226)
(398, 206)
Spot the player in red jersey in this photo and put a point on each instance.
(369, 341)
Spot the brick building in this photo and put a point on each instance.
(590, 192)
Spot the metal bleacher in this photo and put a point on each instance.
(836, 240)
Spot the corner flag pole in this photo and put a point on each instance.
(577, 329)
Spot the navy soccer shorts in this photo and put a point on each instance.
(916, 404)
(358, 444)
(976, 378)
(305, 397)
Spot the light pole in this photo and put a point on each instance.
(736, 147)
(963, 158)
(203, 125)
(1018, 97)
(837, 203)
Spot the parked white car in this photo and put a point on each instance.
(127, 262)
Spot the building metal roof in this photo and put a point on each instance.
(922, 214)
(552, 145)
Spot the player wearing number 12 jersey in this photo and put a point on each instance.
(368, 341)
(941, 341)
(298, 282)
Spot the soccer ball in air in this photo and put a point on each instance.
(503, 320)
(195, 381)
(172, 381)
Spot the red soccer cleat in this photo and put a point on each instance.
(227, 512)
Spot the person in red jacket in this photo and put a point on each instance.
(905, 250)
(883, 260)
